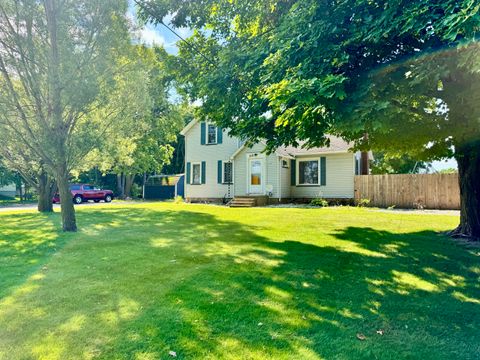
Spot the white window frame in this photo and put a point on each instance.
(317, 159)
(200, 178)
(223, 171)
(207, 126)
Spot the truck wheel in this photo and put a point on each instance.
(77, 199)
(108, 198)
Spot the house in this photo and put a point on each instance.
(8, 191)
(219, 166)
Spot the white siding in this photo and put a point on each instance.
(8, 190)
(340, 178)
(340, 171)
(195, 152)
(271, 167)
(285, 180)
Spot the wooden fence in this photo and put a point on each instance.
(428, 191)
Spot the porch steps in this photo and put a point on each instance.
(243, 202)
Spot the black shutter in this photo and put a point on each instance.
(203, 133)
(219, 175)
(189, 167)
(323, 171)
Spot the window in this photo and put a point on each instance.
(75, 187)
(308, 172)
(211, 134)
(228, 172)
(284, 164)
(196, 174)
(87, 187)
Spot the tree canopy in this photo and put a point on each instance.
(404, 72)
(60, 62)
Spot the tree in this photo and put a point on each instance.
(140, 141)
(398, 164)
(57, 61)
(26, 167)
(405, 72)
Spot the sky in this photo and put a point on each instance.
(160, 35)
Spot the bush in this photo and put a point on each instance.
(363, 202)
(137, 191)
(319, 202)
(178, 200)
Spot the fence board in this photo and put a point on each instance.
(428, 191)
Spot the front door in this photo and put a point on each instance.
(255, 176)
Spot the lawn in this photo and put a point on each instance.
(208, 282)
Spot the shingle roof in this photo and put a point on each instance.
(336, 145)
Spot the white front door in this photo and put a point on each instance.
(255, 176)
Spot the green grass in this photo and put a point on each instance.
(210, 282)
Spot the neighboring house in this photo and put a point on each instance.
(219, 166)
(8, 191)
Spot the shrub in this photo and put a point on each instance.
(178, 200)
(319, 202)
(137, 191)
(363, 202)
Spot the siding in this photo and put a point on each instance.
(340, 179)
(8, 191)
(286, 189)
(241, 170)
(195, 152)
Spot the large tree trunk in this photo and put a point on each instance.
(46, 191)
(364, 164)
(69, 222)
(364, 159)
(128, 185)
(468, 158)
(121, 186)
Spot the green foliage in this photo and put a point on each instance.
(448, 171)
(296, 70)
(6, 176)
(140, 140)
(397, 164)
(363, 202)
(178, 200)
(319, 202)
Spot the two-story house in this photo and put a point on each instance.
(218, 166)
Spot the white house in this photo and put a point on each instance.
(219, 166)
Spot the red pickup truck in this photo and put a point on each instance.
(83, 193)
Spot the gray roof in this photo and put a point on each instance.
(336, 145)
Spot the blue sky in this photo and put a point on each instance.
(160, 35)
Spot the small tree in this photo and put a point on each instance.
(397, 164)
(56, 58)
(140, 141)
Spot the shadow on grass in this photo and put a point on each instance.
(138, 283)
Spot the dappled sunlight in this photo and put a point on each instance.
(446, 280)
(407, 282)
(203, 283)
(464, 298)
